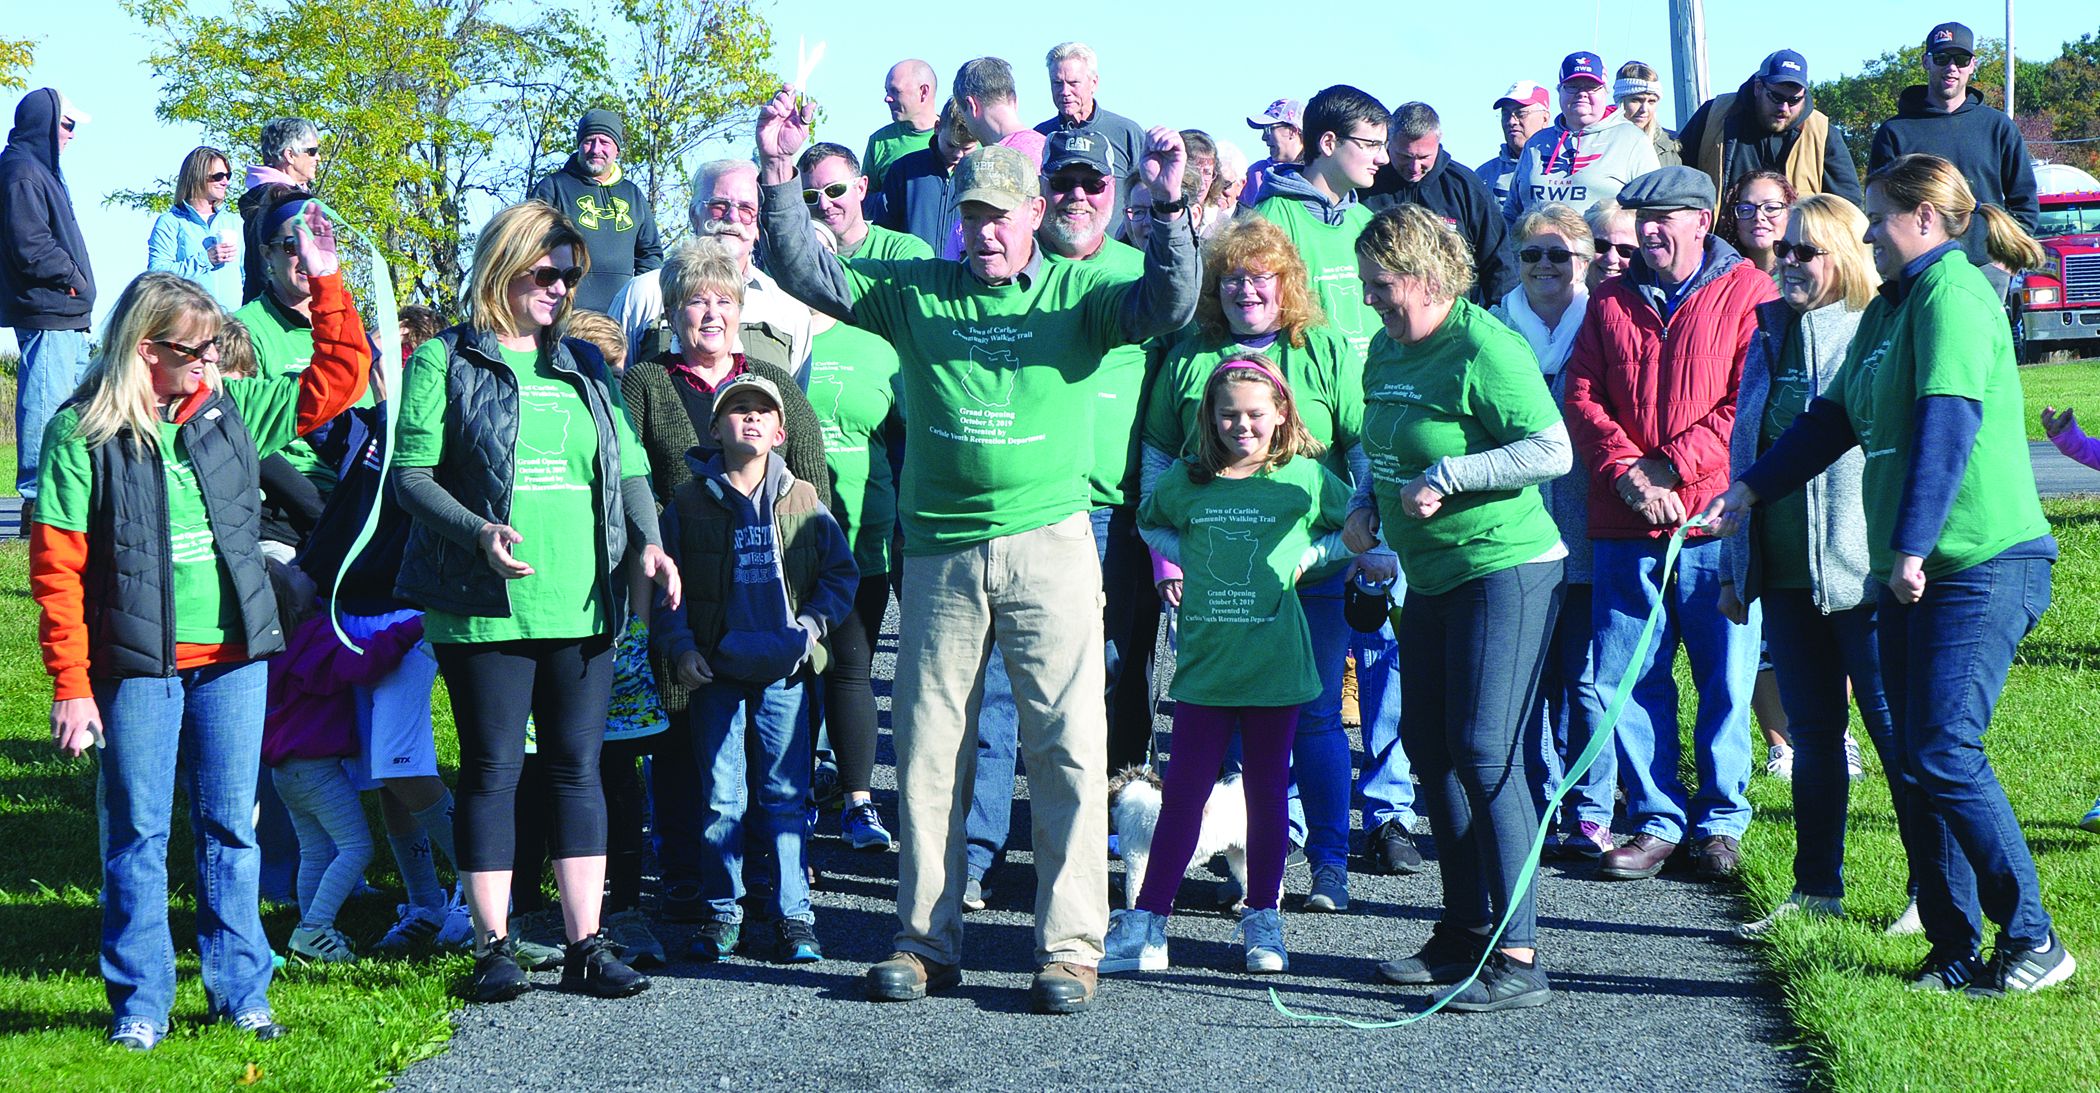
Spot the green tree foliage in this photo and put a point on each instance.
(15, 55)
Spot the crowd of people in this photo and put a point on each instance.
(1352, 410)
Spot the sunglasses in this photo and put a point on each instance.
(545, 276)
(743, 211)
(313, 151)
(287, 246)
(1557, 254)
(809, 197)
(1952, 60)
(1625, 251)
(1777, 99)
(1799, 252)
(1091, 183)
(66, 124)
(1744, 210)
(189, 352)
(219, 176)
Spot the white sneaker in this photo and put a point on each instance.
(1854, 764)
(1779, 762)
(1794, 904)
(1906, 923)
(457, 931)
(1262, 933)
(321, 945)
(1137, 942)
(418, 927)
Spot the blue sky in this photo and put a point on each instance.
(1206, 67)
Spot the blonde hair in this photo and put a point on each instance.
(1070, 51)
(1601, 215)
(1290, 440)
(116, 395)
(602, 331)
(700, 262)
(1253, 243)
(1920, 179)
(510, 243)
(1557, 217)
(236, 349)
(1411, 241)
(1831, 223)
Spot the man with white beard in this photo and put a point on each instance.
(725, 206)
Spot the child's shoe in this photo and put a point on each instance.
(321, 945)
(1262, 934)
(638, 944)
(714, 941)
(1779, 762)
(417, 929)
(2092, 819)
(135, 1034)
(797, 942)
(1137, 942)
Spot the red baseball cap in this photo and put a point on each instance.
(1523, 93)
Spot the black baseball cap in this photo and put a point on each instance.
(1076, 148)
(1951, 38)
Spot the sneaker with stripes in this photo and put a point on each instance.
(2020, 968)
(1946, 972)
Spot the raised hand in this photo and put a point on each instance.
(316, 242)
(783, 124)
(2054, 421)
(1165, 158)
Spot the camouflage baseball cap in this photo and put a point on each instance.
(1001, 177)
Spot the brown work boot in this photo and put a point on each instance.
(905, 977)
(1638, 860)
(1718, 856)
(1063, 988)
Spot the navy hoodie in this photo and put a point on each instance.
(617, 225)
(45, 280)
(1468, 206)
(1981, 142)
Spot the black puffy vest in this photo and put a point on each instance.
(480, 457)
(129, 579)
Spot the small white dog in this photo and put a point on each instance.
(1133, 802)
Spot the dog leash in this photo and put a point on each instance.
(1600, 740)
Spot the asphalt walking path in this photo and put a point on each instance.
(1649, 994)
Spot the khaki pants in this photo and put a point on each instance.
(1039, 594)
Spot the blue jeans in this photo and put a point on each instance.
(1320, 777)
(1814, 655)
(203, 725)
(1571, 711)
(740, 727)
(52, 363)
(1944, 661)
(1724, 668)
(1385, 790)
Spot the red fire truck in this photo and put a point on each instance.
(2056, 311)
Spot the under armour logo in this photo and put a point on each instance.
(589, 216)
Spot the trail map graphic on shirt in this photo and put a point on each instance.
(995, 355)
(1341, 295)
(1230, 557)
(1387, 411)
(992, 376)
(824, 394)
(1230, 540)
(544, 459)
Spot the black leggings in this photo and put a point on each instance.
(566, 685)
(849, 691)
(626, 808)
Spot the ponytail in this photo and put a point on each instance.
(2009, 243)
(1919, 179)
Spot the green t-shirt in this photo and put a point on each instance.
(1947, 337)
(886, 146)
(853, 389)
(998, 395)
(1783, 524)
(206, 610)
(1244, 641)
(1329, 251)
(1325, 379)
(882, 244)
(1119, 390)
(1470, 387)
(284, 346)
(554, 495)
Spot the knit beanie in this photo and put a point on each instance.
(602, 121)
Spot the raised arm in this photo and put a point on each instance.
(801, 268)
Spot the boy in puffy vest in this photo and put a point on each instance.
(774, 574)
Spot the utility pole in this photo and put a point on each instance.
(1688, 54)
(2012, 60)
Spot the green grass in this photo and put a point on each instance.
(351, 1026)
(1843, 980)
(7, 478)
(2076, 384)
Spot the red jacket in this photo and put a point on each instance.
(1638, 386)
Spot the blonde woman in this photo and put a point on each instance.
(144, 560)
(1638, 91)
(530, 498)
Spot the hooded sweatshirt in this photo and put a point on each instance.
(764, 635)
(617, 223)
(1465, 203)
(1747, 146)
(263, 187)
(45, 280)
(1324, 231)
(1981, 142)
(1579, 167)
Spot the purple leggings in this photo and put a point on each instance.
(1201, 734)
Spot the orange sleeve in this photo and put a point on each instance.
(57, 559)
(342, 360)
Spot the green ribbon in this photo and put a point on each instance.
(1598, 742)
(388, 315)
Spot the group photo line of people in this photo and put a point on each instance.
(1049, 398)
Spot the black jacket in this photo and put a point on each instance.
(617, 225)
(368, 586)
(1747, 146)
(1980, 141)
(1457, 195)
(45, 280)
(915, 197)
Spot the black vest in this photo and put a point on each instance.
(129, 579)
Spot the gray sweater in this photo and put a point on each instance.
(1837, 542)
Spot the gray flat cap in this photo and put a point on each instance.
(1670, 188)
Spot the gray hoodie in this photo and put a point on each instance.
(1579, 167)
(1288, 180)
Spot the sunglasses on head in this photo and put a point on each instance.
(1799, 252)
(545, 276)
(1950, 59)
(219, 176)
(809, 197)
(1080, 180)
(1557, 254)
(1623, 250)
(189, 352)
(743, 211)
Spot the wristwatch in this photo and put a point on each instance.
(1169, 208)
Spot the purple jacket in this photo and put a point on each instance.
(2074, 443)
(312, 713)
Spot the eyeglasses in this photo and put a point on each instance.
(744, 212)
(1625, 251)
(219, 176)
(1799, 252)
(1236, 281)
(1777, 99)
(1950, 59)
(809, 197)
(1769, 210)
(1066, 182)
(1366, 143)
(545, 276)
(190, 352)
(1559, 255)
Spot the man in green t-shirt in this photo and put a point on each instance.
(908, 90)
(1315, 204)
(997, 352)
(833, 188)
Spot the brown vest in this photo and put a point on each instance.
(1804, 159)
